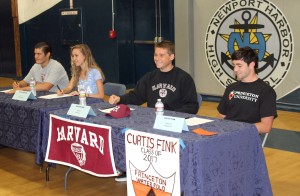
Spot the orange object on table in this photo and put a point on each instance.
(204, 132)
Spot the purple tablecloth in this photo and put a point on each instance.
(21, 121)
(230, 163)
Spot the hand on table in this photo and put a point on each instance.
(15, 84)
(74, 93)
(114, 99)
(60, 92)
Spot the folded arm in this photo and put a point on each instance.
(22, 85)
(221, 116)
(265, 125)
(190, 107)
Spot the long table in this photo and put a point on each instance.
(229, 163)
(21, 121)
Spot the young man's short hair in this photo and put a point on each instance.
(46, 47)
(246, 54)
(166, 45)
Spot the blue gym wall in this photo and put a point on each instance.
(124, 59)
(7, 52)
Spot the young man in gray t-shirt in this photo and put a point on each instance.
(47, 73)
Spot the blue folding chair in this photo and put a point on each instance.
(114, 88)
(264, 139)
(199, 98)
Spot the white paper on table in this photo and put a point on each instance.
(4, 91)
(108, 110)
(196, 121)
(54, 96)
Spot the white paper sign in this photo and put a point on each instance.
(4, 91)
(152, 164)
(23, 95)
(196, 121)
(170, 123)
(54, 96)
(80, 111)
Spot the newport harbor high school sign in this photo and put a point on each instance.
(258, 24)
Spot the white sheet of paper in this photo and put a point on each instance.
(196, 121)
(54, 96)
(4, 91)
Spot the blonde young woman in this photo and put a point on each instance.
(86, 72)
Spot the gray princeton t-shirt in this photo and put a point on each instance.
(53, 73)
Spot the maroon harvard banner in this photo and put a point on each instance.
(84, 146)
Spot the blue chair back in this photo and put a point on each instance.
(114, 88)
(199, 98)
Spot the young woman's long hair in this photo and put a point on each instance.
(89, 61)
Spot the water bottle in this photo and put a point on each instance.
(159, 107)
(32, 84)
(82, 95)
